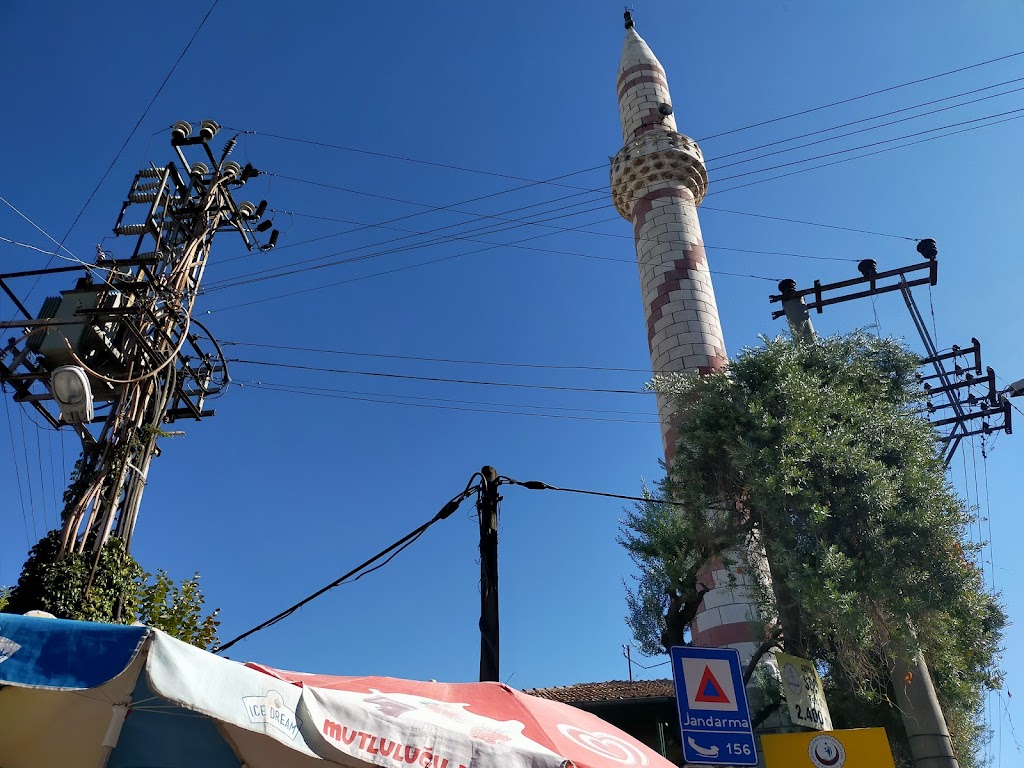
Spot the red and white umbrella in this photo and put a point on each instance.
(390, 722)
(81, 695)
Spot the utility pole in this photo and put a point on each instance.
(923, 721)
(124, 336)
(992, 407)
(797, 314)
(487, 511)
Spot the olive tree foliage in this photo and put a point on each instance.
(818, 451)
(109, 587)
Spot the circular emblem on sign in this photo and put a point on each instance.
(791, 675)
(605, 745)
(826, 752)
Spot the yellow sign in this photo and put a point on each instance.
(804, 694)
(857, 748)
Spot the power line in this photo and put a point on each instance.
(433, 208)
(863, 96)
(363, 568)
(490, 229)
(276, 272)
(498, 174)
(711, 160)
(650, 666)
(876, 152)
(989, 117)
(537, 485)
(139, 121)
(428, 208)
(321, 350)
(457, 236)
(520, 222)
(394, 549)
(110, 167)
(867, 119)
(402, 269)
(988, 517)
(527, 221)
(17, 471)
(869, 145)
(478, 217)
(1006, 384)
(53, 478)
(452, 207)
(418, 161)
(440, 379)
(343, 282)
(616, 235)
(803, 221)
(32, 247)
(716, 247)
(534, 182)
(332, 390)
(378, 399)
(45, 234)
(28, 474)
(872, 127)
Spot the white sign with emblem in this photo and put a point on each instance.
(804, 694)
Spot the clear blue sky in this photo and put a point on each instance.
(282, 492)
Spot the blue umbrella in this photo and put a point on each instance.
(75, 694)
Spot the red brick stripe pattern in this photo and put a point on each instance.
(642, 89)
(646, 66)
(725, 617)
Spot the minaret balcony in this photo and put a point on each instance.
(657, 156)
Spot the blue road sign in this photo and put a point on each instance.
(713, 714)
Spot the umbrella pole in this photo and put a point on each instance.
(117, 716)
(487, 508)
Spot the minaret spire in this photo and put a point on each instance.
(658, 179)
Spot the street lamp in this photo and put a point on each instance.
(73, 394)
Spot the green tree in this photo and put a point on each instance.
(817, 450)
(177, 609)
(112, 588)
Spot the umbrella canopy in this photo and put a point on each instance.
(81, 695)
(393, 722)
(77, 694)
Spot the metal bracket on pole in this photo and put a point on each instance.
(950, 382)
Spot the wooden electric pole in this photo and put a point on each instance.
(487, 509)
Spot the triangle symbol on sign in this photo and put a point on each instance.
(709, 690)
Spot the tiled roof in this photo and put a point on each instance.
(613, 690)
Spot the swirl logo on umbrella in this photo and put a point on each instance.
(826, 752)
(604, 744)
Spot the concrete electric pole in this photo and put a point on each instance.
(923, 721)
(124, 337)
